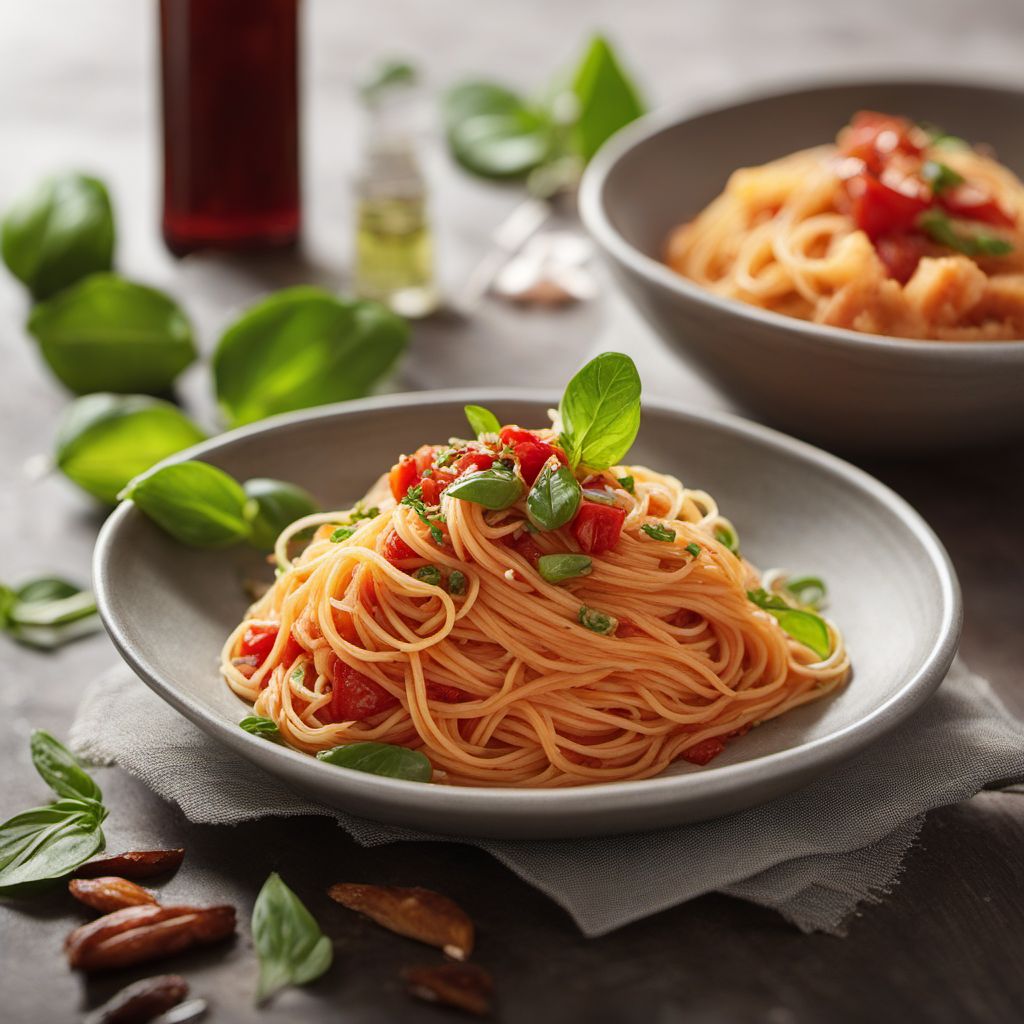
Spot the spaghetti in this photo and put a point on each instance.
(895, 230)
(603, 649)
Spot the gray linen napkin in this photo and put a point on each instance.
(813, 855)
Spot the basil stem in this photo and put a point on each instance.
(493, 488)
(292, 949)
(658, 532)
(597, 622)
(556, 568)
(554, 498)
(257, 725)
(481, 420)
(381, 759)
(804, 627)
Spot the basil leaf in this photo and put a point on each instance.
(292, 949)
(47, 843)
(600, 411)
(108, 334)
(273, 506)
(940, 228)
(493, 488)
(804, 627)
(493, 132)
(658, 532)
(381, 759)
(940, 176)
(342, 533)
(481, 420)
(554, 498)
(606, 96)
(628, 484)
(106, 440)
(59, 232)
(597, 622)
(456, 582)
(809, 591)
(303, 347)
(727, 536)
(428, 574)
(194, 502)
(555, 568)
(46, 588)
(694, 549)
(60, 769)
(257, 725)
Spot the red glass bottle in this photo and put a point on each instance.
(230, 123)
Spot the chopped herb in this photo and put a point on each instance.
(427, 473)
(456, 582)
(727, 536)
(804, 627)
(940, 176)
(414, 500)
(342, 533)
(555, 568)
(597, 622)
(694, 549)
(658, 532)
(298, 676)
(429, 574)
(444, 457)
(628, 484)
(940, 228)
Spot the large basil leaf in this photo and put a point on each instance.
(49, 612)
(606, 98)
(274, 505)
(495, 133)
(292, 949)
(59, 232)
(194, 502)
(109, 334)
(381, 759)
(804, 627)
(600, 411)
(493, 488)
(104, 440)
(60, 769)
(554, 498)
(47, 843)
(303, 347)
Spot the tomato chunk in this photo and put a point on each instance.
(531, 456)
(396, 550)
(403, 475)
(873, 137)
(524, 546)
(514, 435)
(257, 642)
(973, 203)
(879, 209)
(704, 751)
(473, 462)
(900, 254)
(354, 696)
(597, 528)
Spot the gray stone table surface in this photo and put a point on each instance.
(77, 89)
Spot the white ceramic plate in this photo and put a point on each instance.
(168, 608)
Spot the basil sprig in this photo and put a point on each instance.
(59, 232)
(554, 498)
(105, 440)
(939, 226)
(803, 626)
(48, 612)
(292, 949)
(658, 532)
(381, 759)
(258, 725)
(303, 347)
(481, 420)
(44, 844)
(600, 411)
(495, 488)
(108, 334)
(556, 568)
(273, 506)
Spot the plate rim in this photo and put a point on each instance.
(606, 797)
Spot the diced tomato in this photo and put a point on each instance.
(396, 550)
(354, 696)
(345, 626)
(626, 629)
(879, 209)
(973, 203)
(872, 137)
(901, 255)
(524, 546)
(514, 435)
(424, 458)
(403, 476)
(472, 462)
(257, 642)
(531, 456)
(704, 751)
(444, 693)
(597, 527)
(433, 485)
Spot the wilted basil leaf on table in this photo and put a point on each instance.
(274, 505)
(303, 347)
(60, 769)
(194, 502)
(607, 99)
(104, 441)
(292, 949)
(380, 759)
(109, 334)
(48, 612)
(59, 232)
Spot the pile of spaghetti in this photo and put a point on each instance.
(896, 230)
(526, 623)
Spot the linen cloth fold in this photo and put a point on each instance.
(812, 855)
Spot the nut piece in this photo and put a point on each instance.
(464, 986)
(135, 934)
(416, 913)
(142, 1001)
(110, 893)
(133, 864)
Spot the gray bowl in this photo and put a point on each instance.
(169, 608)
(839, 388)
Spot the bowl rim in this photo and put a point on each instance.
(606, 797)
(596, 220)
